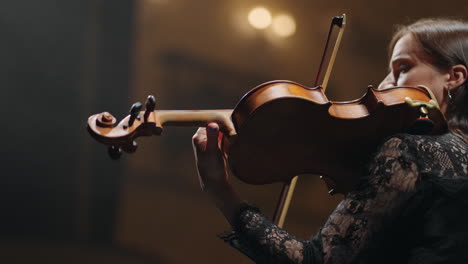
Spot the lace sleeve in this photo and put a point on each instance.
(357, 220)
(257, 237)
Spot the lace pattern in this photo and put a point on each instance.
(401, 170)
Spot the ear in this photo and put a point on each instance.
(458, 76)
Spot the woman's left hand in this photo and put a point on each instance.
(212, 171)
(210, 160)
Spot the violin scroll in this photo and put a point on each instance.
(121, 137)
(105, 119)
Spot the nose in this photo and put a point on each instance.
(389, 81)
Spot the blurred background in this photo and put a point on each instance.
(62, 200)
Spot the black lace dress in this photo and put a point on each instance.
(411, 208)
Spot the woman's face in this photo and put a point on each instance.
(408, 68)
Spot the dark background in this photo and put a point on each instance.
(63, 200)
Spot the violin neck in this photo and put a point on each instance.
(195, 118)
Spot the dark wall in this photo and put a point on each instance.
(55, 58)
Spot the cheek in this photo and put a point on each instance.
(422, 76)
(415, 77)
(432, 79)
(438, 91)
(436, 83)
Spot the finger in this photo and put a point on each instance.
(201, 132)
(212, 132)
(199, 139)
(229, 129)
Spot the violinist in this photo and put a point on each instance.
(411, 205)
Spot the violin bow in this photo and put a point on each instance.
(287, 191)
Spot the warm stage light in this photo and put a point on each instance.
(284, 25)
(260, 18)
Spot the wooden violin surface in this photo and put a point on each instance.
(281, 129)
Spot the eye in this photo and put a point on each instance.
(400, 66)
(403, 68)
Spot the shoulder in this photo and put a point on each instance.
(417, 145)
(435, 156)
(399, 147)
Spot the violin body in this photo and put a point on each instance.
(281, 129)
(285, 129)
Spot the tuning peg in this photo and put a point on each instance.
(114, 152)
(150, 103)
(130, 148)
(150, 106)
(134, 111)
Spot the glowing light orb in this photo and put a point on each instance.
(284, 25)
(259, 18)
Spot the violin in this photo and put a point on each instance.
(281, 129)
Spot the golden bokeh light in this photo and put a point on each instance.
(284, 25)
(260, 18)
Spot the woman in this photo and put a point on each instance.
(411, 207)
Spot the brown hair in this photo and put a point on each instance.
(445, 42)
